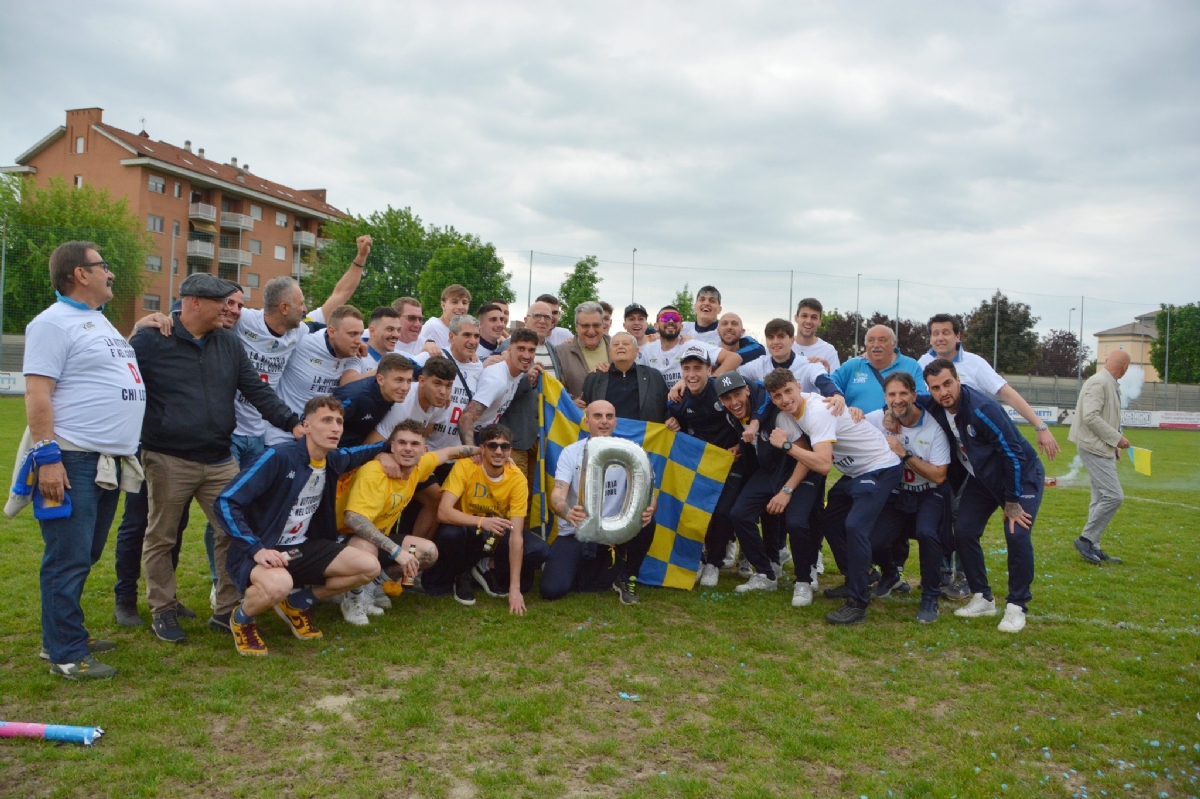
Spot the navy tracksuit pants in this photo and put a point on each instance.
(853, 506)
(796, 520)
(925, 516)
(975, 508)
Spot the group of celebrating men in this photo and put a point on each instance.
(334, 456)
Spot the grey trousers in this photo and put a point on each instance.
(1107, 495)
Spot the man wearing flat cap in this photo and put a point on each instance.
(192, 376)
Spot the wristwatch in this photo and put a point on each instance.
(908, 453)
(787, 445)
(1041, 427)
(786, 490)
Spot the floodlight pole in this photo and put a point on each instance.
(633, 276)
(857, 306)
(1079, 361)
(529, 291)
(996, 334)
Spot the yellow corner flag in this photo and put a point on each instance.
(1140, 458)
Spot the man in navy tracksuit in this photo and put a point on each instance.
(995, 468)
(365, 402)
(280, 514)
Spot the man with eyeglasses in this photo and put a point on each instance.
(583, 354)
(411, 322)
(665, 353)
(482, 512)
(85, 401)
(558, 335)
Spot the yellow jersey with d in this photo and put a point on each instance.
(506, 496)
(380, 498)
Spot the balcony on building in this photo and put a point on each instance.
(201, 249)
(233, 221)
(228, 255)
(302, 238)
(202, 211)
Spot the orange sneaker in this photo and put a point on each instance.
(246, 639)
(299, 621)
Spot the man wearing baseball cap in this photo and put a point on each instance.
(192, 376)
(636, 323)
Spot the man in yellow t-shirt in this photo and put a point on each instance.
(369, 503)
(486, 503)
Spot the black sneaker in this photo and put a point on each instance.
(902, 587)
(840, 592)
(488, 581)
(126, 613)
(888, 584)
(957, 589)
(88, 668)
(166, 627)
(464, 591)
(1104, 556)
(184, 612)
(873, 576)
(627, 590)
(219, 623)
(928, 613)
(1087, 551)
(95, 645)
(847, 614)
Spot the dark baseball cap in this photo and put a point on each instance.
(694, 352)
(633, 308)
(729, 381)
(207, 286)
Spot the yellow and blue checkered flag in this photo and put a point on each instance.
(688, 473)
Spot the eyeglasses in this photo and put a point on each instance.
(542, 316)
(498, 446)
(103, 264)
(413, 318)
(670, 317)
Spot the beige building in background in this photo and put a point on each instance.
(204, 216)
(1135, 339)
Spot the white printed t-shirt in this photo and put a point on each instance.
(651, 354)
(99, 398)
(926, 440)
(409, 409)
(268, 356)
(312, 371)
(821, 349)
(972, 370)
(300, 517)
(445, 429)
(857, 448)
(495, 391)
(570, 463)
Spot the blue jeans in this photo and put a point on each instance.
(245, 450)
(73, 546)
(130, 537)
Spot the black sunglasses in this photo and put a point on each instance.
(104, 264)
(498, 446)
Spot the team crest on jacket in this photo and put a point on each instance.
(971, 430)
(717, 406)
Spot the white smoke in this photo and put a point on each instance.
(1131, 385)
(1071, 476)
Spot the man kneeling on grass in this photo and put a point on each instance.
(373, 502)
(485, 504)
(279, 513)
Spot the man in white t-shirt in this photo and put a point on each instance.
(319, 364)
(558, 335)
(920, 508)
(575, 566)
(411, 322)
(435, 335)
(383, 332)
(464, 343)
(664, 353)
(778, 333)
(498, 384)
(708, 312)
(870, 472)
(807, 345)
(84, 400)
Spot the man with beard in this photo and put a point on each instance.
(665, 353)
(734, 339)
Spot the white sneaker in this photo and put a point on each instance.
(978, 606)
(730, 555)
(744, 569)
(757, 582)
(378, 598)
(352, 608)
(369, 607)
(785, 556)
(820, 567)
(212, 597)
(1014, 619)
(812, 576)
(802, 595)
(709, 575)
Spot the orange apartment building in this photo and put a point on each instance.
(204, 216)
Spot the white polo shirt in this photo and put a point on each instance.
(857, 448)
(972, 370)
(99, 398)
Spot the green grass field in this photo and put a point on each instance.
(736, 696)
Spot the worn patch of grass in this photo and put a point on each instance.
(737, 696)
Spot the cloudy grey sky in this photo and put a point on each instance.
(1048, 148)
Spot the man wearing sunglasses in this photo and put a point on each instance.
(411, 322)
(665, 353)
(85, 401)
(485, 503)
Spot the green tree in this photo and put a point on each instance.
(579, 287)
(1185, 344)
(36, 219)
(683, 301)
(1018, 342)
(474, 266)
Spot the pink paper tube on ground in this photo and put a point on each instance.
(50, 732)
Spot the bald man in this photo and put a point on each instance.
(734, 339)
(1096, 430)
(572, 564)
(860, 380)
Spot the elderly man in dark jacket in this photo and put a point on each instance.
(192, 374)
(635, 390)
